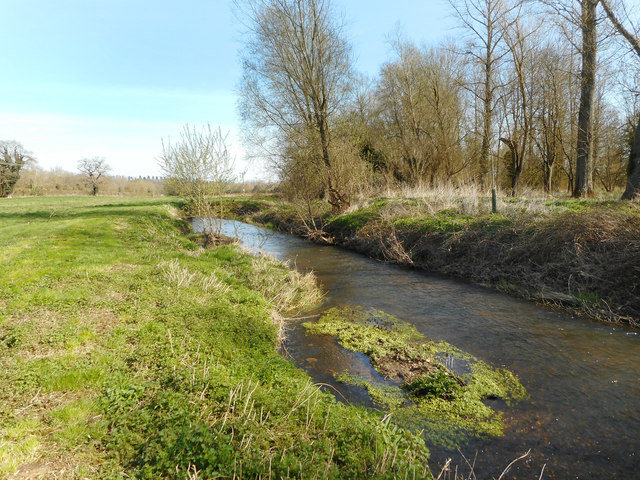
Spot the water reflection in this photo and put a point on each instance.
(583, 418)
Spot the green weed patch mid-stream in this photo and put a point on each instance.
(445, 403)
(128, 351)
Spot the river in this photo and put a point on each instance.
(583, 418)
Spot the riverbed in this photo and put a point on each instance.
(583, 418)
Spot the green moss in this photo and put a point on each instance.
(450, 409)
(382, 395)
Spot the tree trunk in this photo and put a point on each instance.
(337, 200)
(633, 169)
(583, 181)
(548, 173)
(516, 162)
(632, 191)
(485, 151)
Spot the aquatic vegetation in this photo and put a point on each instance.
(438, 385)
(382, 394)
(422, 391)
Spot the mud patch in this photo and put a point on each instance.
(403, 369)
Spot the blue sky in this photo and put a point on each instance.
(110, 78)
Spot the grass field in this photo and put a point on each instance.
(128, 351)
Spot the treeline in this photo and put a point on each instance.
(500, 107)
(36, 181)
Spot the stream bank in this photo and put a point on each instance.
(581, 257)
(582, 415)
(128, 351)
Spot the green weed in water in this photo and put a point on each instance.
(449, 409)
(437, 385)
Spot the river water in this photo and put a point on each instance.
(583, 418)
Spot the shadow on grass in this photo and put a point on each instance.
(65, 210)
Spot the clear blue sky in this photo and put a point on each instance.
(110, 78)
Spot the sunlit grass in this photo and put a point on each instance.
(128, 350)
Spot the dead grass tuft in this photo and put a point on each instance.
(287, 290)
(181, 277)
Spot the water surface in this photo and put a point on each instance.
(583, 418)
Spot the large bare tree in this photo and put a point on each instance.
(94, 169)
(632, 190)
(297, 66)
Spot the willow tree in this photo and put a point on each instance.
(420, 104)
(199, 167)
(296, 70)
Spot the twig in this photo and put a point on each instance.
(445, 468)
(31, 402)
(542, 471)
(512, 462)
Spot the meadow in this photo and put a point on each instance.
(129, 351)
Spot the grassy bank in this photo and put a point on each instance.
(580, 255)
(127, 351)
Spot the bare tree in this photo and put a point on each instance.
(518, 40)
(95, 169)
(555, 116)
(632, 190)
(297, 66)
(13, 157)
(582, 15)
(610, 147)
(199, 167)
(482, 19)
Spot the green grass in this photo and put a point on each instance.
(127, 351)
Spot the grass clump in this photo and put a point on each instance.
(128, 351)
(422, 392)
